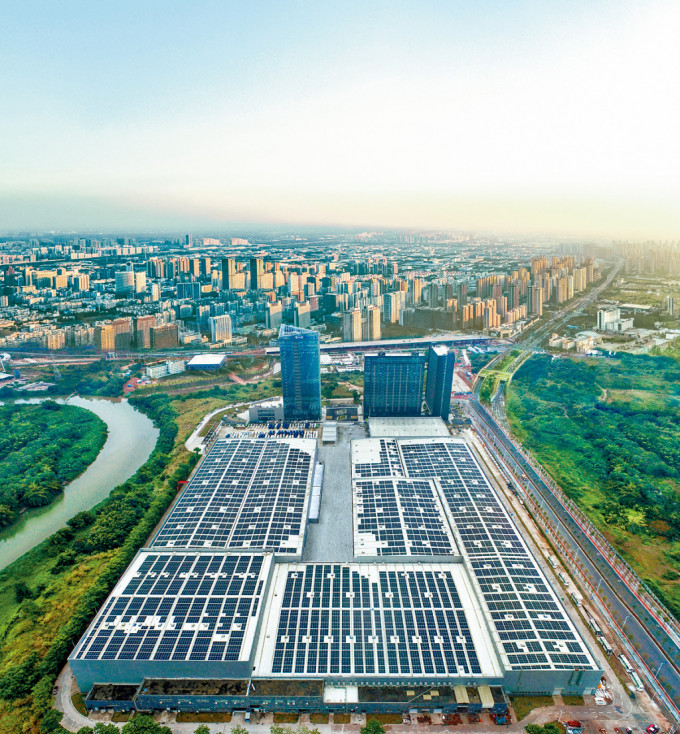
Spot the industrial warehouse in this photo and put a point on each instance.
(440, 605)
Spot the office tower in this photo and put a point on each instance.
(300, 373)
(393, 383)
(125, 282)
(373, 317)
(440, 365)
(164, 337)
(189, 240)
(143, 326)
(220, 328)
(256, 272)
(302, 315)
(105, 338)
(273, 315)
(351, 325)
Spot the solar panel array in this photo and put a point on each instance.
(180, 606)
(378, 619)
(247, 494)
(399, 517)
(533, 627)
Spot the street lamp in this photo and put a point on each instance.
(623, 626)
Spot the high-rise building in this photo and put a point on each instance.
(273, 316)
(302, 314)
(105, 338)
(256, 272)
(122, 329)
(125, 282)
(228, 273)
(140, 282)
(300, 373)
(220, 328)
(536, 300)
(351, 325)
(143, 326)
(393, 383)
(373, 317)
(440, 366)
(164, 336)
(189, 289)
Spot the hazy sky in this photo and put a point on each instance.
(534, 116)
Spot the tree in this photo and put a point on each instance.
(144, 725)
(238, 729)
(21, 592)
(85, 730)
(49, 724)
(203, 729)
(373, 726)
(102, 728)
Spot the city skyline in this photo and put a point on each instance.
(496, 118)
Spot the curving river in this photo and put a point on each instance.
(131, 438)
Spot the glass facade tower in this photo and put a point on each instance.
(300, 373)
(393, 384)
(440, 365)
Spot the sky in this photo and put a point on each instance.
(507, 115)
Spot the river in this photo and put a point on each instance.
(131, 439)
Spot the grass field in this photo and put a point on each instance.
(522, 705)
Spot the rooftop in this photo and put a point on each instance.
(408, 427)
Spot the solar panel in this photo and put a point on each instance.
(399, 517)
(180, 606)
(393, 620)
(523, 607)
(247, 494)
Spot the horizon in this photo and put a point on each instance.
(522, 119)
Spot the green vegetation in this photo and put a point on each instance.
(552, 727)
(608, 431)
(573, 700)
(299, 729)
(373, 726)
(287, 717)
(479, 359)
(69, 575)
(42, 448)
(522, 705)
(488, 388)
(102, 377)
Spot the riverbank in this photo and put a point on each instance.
(69, 575)
(130, 440)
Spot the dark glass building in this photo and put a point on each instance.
(393, 384)
(300, 373)
(440, 364)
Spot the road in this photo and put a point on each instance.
(657, 648)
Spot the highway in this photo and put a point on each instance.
(656, 644)
(657, 648)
